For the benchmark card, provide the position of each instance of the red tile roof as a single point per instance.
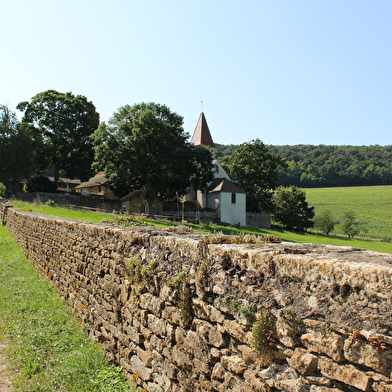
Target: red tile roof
(202, 135)
(131, 195)
(224, 185)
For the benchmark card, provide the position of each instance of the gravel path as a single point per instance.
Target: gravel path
(5, 383)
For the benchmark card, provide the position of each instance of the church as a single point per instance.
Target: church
(221, 195)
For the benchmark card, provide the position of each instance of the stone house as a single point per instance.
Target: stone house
(97, 185)
(136, 202)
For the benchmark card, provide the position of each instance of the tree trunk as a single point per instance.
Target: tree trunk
(150, 203)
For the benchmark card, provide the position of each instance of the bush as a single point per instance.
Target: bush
(2, 189)
(40, 184)
(350, 225)
(325, 222)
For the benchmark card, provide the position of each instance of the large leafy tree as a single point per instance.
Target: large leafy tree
(60, 126)
(291, 208)
(255, 170)
(15, 149)
(145, 147)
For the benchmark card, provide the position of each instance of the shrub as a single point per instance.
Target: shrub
(50, 203)
(350, 224)
(2, 189)
(325, 222)
(40, 184)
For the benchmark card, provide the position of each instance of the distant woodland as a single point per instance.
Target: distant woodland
(322, 165)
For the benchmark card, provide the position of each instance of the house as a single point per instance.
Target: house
(136, 202)
(221, 195)
(97, 185)
(64, 184)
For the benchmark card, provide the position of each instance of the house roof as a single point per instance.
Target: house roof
(97, 180)
(202, 135)
(131, 195)
(223, 185)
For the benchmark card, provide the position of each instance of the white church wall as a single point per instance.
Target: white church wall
(233, 213)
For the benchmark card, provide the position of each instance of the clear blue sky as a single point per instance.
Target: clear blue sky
(283, 71)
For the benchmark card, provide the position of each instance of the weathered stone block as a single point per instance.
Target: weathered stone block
(233, 364)
(151, 303)
(218, 372)
(238, 331)
(329, 343)
(208, 312)
(303, 361)
(172, 314)
(194, 345)
(209, 333)
(360, 351)
(157, 325)
(316, 388)
(382, 386)
(347, 374)
(181, 357)
(139, 369)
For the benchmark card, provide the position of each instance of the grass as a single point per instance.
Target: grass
(284, 235)
(371, 204)
(48, 350)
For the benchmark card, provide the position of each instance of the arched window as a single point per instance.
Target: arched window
(233, 198)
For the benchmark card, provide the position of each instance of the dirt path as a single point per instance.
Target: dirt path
(5, 383)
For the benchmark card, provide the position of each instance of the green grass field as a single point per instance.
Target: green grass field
(372, 204)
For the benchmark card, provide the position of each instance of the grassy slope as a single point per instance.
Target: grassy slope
(91, 216)
(49, 350)
(372, 204)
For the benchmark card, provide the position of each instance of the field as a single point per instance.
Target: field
(372, 205)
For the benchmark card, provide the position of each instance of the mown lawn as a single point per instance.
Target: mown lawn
(91, 216)
(48, 350)
(372, 205)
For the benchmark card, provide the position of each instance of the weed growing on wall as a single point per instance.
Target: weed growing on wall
(181, 229)
(220, 238)
(202, 276)
(178, 279)
(263, 336)
(238, 307)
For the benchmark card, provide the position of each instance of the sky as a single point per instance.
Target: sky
(282, 71)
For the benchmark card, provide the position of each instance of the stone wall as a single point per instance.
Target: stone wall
(180, 313)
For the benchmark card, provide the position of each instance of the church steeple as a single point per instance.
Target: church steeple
(202, 134)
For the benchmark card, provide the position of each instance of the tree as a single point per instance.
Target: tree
(350, 224)
(291, 208)
(253, 168)
(60, 126)
(15, 149)
(144, 147)
(325, 222)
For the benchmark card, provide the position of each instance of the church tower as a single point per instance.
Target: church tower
(202, 135)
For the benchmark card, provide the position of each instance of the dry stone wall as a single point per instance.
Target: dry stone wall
(180, 314)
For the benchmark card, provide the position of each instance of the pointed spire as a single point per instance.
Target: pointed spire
(202, 134)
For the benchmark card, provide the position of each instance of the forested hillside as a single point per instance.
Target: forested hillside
(315, 166)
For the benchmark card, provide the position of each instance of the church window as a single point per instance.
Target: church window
(233, 198)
